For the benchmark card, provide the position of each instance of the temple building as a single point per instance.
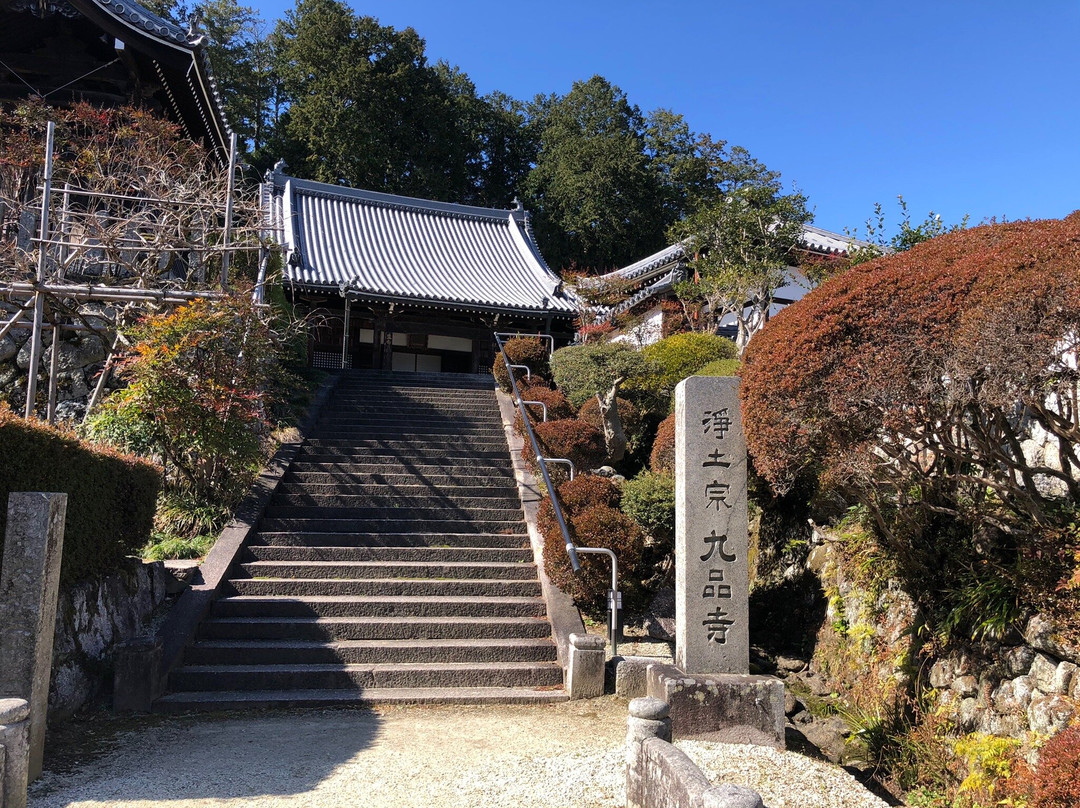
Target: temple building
(397, 283)
(110, 53)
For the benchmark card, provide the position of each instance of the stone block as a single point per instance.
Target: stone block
(1044, 635)
(729, 708)
(1063, 677)
(29, 585)
(1018, 659)
(1050, 714)
(137, 674)
(731, 796)
(585, 679)
(631, 679)
(15, 745)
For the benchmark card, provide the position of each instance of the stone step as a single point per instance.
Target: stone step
(422, 455)
(422, 443)
(379, 417)
(296, 586)
(367, 652)
(401, 524)
(340, 629)
(520, 556)
(428, 472)
(393, 569)
(340, 676)
(369, 697)
(404, 490)
(381, 499)
(389, 606)
(401, 510)
(443, 540)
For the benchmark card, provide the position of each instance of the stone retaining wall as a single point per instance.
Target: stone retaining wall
(82, 358)
(91, 619)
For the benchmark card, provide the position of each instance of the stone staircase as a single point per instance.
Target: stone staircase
(392, 565)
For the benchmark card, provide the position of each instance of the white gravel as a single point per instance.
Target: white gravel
(567, 755)
(783, 779)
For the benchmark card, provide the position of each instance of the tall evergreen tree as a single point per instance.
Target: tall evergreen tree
(596, 197)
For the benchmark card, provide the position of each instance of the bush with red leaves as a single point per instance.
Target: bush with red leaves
(1055, 781)
(558, 407)
(568, 438)
(909, 383)
(529, 351)
(663, 452)
(591, 524)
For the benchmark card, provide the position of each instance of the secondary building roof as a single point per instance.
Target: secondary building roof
(111, 52)
(382, 247)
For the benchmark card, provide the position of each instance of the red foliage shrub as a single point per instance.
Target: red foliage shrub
(530, 351)
(1055, 780)
(568, 438)
(586, 491)
(558, 407)
(663, 451)
(596, 526)
(900, 385)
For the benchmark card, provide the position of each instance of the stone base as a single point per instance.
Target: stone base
(730, 708)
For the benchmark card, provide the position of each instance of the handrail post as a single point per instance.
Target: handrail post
(614, 595)
(542, 405)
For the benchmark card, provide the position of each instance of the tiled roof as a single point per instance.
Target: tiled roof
(179, 58)
(396, 248)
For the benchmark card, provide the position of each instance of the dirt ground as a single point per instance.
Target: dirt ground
(566, 755)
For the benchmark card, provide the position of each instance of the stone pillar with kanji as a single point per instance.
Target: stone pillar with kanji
(711, 571)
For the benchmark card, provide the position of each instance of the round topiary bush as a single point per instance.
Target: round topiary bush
(662, 458)
(586, 491)
(681, 355)
(569, 438)
(720, 367)
(529, 351)
(558, 408)
(649, 499)
(596, 526)
(582, 371)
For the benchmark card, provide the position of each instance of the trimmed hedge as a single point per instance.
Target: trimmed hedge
(530, 351)
(649, 499)
(676, 357)
(571, 439)
(111, 496)
(558, 407)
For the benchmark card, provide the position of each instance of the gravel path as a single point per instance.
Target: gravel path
(567, 755)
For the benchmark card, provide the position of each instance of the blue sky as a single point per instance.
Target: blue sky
(962, 107)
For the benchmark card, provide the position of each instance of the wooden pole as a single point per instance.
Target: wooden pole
(345, 337)
(54, 365)
(10, 324)
(225, 256)
(39, 300)
(102, 379)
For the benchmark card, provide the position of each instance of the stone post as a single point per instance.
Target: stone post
(711, 572)
(586, 677)
(14, 752)
(28, 589)
(648, 719)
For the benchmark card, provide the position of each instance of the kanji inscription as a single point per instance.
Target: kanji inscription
(711, 576)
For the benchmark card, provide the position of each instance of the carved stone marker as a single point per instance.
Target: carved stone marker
(28, 589)
(711, 572)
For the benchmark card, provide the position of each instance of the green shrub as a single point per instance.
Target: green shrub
(111, 496)
(662, 457)
(681, 355)
(720, 367)
(582, 371)
(529, 351)
(570, 439)
(649, 499)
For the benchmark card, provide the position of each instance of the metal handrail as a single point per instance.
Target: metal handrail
(614, 595)
(528, 373)
(542, 405)
(570, 463)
